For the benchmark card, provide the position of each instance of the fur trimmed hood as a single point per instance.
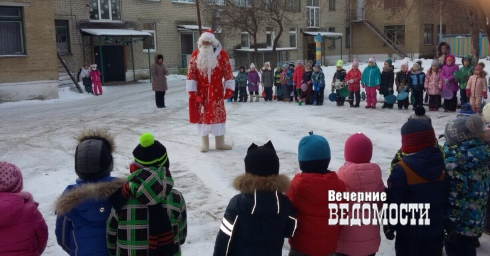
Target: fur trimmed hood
(99, 134)
(248, 183)
(89, 191)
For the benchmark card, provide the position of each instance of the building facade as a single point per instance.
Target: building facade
(27, 51)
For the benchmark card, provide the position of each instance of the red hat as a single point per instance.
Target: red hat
(417, 134)
(358, 149)
(208, 36)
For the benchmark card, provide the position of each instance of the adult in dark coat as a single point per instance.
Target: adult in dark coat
(258, 219)
(159, 82)
(419, 178)
(387, 81)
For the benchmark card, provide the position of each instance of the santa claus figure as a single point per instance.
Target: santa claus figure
(209, 81)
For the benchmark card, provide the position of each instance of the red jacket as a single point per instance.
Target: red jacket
(309, 194)
(356, 76)
(298, 75)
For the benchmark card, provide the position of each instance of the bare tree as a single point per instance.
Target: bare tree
(274, 11)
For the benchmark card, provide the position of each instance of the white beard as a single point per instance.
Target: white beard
(206, 59)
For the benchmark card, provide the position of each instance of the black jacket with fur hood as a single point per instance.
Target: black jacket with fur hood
(258, 219)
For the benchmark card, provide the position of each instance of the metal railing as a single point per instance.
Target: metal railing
(69, 65)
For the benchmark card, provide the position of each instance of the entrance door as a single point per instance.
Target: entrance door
(360, 10)
(311, 51)
(113, 60)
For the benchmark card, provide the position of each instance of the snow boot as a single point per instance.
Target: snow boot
(251, 98)
(220, 143)
(256, 98)
(205, 143)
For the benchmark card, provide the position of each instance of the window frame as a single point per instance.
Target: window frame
(295, 33)
(395, 29)
(248, 39)
(20, 20)
(331, 5)
(67, 30)
(347, 37)
(332, 40)
(270, 32)
(293, 5)
(427, 40)
(154, 33)
(313, 7)
(110, 13)
(184, 1)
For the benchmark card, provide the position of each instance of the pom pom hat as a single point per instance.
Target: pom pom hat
(340, 63)
(150, 152)
(417, 135)
(10, 178)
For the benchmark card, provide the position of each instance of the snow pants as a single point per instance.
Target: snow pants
(97, 88)
(371, 96)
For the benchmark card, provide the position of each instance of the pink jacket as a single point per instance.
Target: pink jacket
(95, 75)
(365, 239)
(433, 83)
(477, 85)
(22, 227)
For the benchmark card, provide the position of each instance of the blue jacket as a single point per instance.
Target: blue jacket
(467, 167)
(371, 76)
(258, 219)
(289, 75)
(81, 221)
(424, 181)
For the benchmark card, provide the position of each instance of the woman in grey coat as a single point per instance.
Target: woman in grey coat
(159, 82)
(267, 79)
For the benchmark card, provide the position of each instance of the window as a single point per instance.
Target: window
(150, 43)
(293, 5)
(312, 13)
(292, 37)
(393, 3)
(439, 29)
(270, 36)
(347, 37)
(12, 31)
(243, 3)
(216, 2)
(62, 36)
(396, 34)
(428, 34)
(183, 1)
(105, 10)
(332, 40)
(331, 5)
(245, 40)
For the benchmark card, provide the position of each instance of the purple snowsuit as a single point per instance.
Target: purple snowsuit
(447, 72)
(253, 79)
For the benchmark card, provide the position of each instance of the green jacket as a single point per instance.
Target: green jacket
(241, 79)
(468, 71)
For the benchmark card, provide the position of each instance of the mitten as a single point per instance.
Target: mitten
(468, 93)
(228, 93)
(377, 87)
(485, 95)
(389, 233)
(446, 81)
(350, 81)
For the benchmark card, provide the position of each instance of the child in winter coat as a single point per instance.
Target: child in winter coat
(416, 80)
(83, 208)
(370, 80)
(84, 77)
(353, 79)
(477, 87)
(338, 82)
(258, 219)
(467, 69)
(241, 81)
(289, 89)
(267, 79)
(309, 195)
(306, 95)
(22, 227)
(447, 76)
(467, 158)
(387, 81)
(418, 178)
(253, 81)
(433, 86)
(299, 70)
(401, 81)
(360, 175)
(95, 76)
(148, 217)
(318, 79)
(277, 81)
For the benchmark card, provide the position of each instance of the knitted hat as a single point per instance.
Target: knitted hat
(262, 161)
(291, 64)
(480, 67)
(299, 62)
(252, 65)
(267, 63)
(450, 56)
(389, 61)
(486, 113)
(308, 65)
(404, 63)
(355, 63)
(358, 149)
(420, 114)
(340, 63)
(418, 64)
(318, 66)
(285, 66)
(10, 178)
(416, 135)
(372, 59)
(279, 64)
(150, 152)
(93, 155)
(463, 128)
(434, 63)
(313, 153)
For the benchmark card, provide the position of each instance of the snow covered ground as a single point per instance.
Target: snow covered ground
(38, 136)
